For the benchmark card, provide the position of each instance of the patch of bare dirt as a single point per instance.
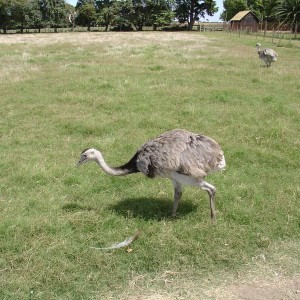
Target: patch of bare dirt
(259, 289)
(278, 288)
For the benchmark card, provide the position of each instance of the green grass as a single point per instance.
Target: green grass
(114, 91)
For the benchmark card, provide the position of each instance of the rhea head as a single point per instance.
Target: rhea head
(88, 154)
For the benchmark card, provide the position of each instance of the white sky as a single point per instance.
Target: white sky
(215, 18)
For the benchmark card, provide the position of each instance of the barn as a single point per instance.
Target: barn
(245, 20)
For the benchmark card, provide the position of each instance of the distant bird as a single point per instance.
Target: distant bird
(267, 55)
(184, 157)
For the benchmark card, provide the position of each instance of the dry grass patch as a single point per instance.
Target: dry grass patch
(16, 67)
(110, 38)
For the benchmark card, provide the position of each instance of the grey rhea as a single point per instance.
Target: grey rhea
(183, 156)
(267, 55)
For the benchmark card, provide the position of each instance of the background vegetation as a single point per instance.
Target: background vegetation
(286, 12)
(65, 92)
(136, 14)
(124, 14)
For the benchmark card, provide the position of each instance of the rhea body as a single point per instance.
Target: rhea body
(183, 156)
(267, 55)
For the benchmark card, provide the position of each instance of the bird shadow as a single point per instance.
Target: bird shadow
(151, 208)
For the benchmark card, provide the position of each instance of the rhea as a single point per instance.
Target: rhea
(183, 156)
(267, 55)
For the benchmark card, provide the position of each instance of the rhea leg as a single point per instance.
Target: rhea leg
(177, 196)
(180, 179)
(211, 190)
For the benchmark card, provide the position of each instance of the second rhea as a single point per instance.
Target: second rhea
(267, 55)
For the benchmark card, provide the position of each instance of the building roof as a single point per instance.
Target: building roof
(240, 15)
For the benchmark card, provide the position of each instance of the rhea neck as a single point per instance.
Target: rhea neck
(258, 48)
(115, 171)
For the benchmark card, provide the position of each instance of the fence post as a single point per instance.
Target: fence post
(265, 31)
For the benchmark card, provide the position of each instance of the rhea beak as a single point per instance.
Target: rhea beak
(81, 161)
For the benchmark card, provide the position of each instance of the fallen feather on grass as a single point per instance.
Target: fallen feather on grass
(125, 243)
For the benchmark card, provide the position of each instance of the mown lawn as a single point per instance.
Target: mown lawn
(62, 93)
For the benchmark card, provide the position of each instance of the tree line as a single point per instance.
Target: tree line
(21, 14)
(121, 14)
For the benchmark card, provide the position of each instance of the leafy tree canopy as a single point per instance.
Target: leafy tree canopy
(191, 11)
(288, 12)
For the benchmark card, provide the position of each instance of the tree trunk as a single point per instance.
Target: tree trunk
(191, 20)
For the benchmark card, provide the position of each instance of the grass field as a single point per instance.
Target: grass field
(62, 93)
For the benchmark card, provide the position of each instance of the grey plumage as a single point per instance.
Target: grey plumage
(184, 157)
(267, 55)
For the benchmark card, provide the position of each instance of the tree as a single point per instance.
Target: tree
(5, 14)
(190, 11)
(231, 8)
(161, 13)
(107, 11)
(139, 13)
(57, 13)
(54, 13)
(105, 17)
(123, 12)
(86, 14)
(143, 12)
(32, 14)
(262, 8)
(20, 13)
(288, 12)
(35, 16)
